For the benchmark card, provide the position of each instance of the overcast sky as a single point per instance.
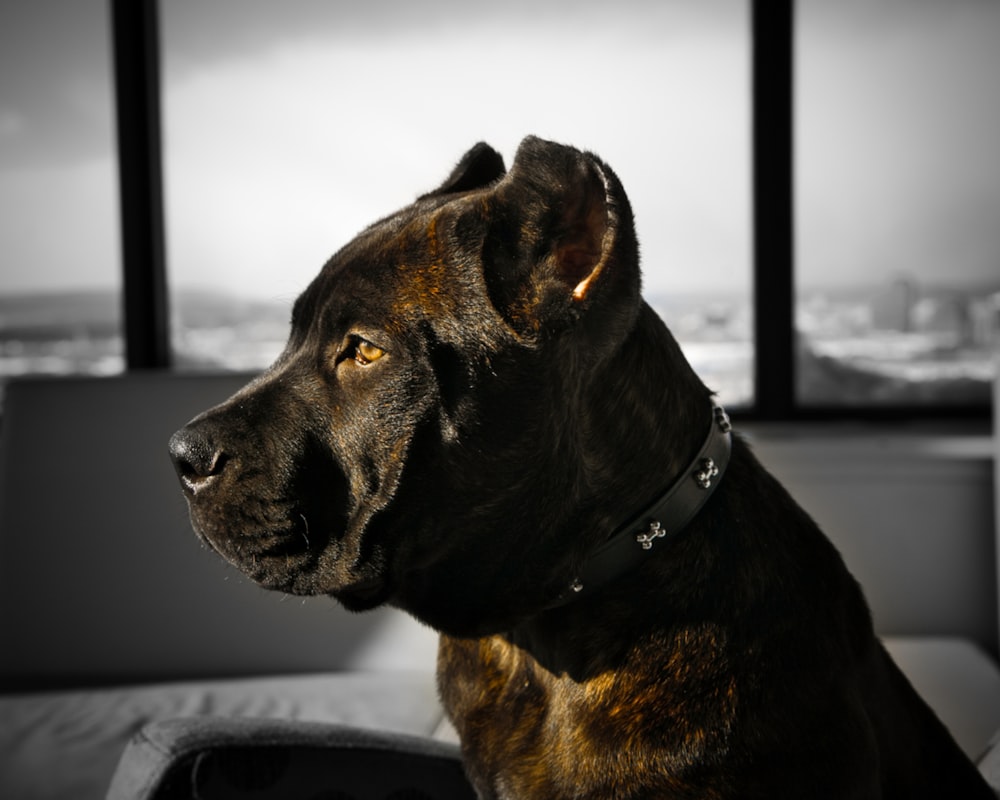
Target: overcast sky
(289, 126)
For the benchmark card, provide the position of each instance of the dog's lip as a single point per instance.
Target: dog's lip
(281, 564)
(301, 557)
(255, 552)
(362, 594)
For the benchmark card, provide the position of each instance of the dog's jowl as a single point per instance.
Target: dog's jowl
(477, 419)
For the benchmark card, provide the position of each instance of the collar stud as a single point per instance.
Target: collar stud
(706, 471)
(646, 539)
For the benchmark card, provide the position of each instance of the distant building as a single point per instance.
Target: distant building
(984, 317)
(944, 313)
(892, 305)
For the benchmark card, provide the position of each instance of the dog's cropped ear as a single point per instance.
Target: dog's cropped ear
(562, 242)
(584, 229)
(478, 168)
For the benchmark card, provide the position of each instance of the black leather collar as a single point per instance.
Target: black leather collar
(667, 516)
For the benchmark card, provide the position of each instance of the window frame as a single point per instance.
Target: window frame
(772, 32)
(136, 63)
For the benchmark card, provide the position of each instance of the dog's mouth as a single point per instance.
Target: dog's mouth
(277, 556)
(363, 595)
(307, 554)
(300, 560)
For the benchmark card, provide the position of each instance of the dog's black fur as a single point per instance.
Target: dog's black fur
(472, 397)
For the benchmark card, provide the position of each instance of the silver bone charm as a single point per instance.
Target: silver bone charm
(647, 538)
(705, 473)
(722, 420)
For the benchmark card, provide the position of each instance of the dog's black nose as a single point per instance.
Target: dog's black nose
(197, 456)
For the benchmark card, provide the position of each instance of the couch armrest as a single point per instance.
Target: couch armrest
(215, 758)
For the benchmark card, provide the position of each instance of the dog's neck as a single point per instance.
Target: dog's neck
(640, 422)
(649, 418)
(665, 517)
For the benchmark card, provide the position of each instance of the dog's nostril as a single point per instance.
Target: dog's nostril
(203, 468)
(196, 457)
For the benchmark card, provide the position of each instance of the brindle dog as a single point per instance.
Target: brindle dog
(473, 400)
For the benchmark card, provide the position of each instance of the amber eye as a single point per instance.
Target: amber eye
(365, 352)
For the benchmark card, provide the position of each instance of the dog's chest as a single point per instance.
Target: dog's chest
(527, 733)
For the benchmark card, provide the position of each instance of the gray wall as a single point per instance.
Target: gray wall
(911, 513)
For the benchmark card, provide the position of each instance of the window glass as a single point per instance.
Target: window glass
(60, 277)
(898, 194)
(290, 126)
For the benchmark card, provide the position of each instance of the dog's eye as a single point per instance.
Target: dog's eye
(356, 350)
(365, 352)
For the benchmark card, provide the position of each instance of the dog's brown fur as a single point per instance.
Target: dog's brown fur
(472, 398)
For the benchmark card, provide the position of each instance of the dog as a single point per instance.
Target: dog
(478, 420)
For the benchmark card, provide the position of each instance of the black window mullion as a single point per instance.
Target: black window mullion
(772, 76)
(137, 99)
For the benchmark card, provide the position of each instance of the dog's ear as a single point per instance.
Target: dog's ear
(561, 241)
(478, 168)
(580, 231)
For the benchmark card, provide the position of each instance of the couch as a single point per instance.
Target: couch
(118, 626)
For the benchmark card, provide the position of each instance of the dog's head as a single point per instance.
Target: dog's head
(418, 440)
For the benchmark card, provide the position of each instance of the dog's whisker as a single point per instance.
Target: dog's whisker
(305, 531)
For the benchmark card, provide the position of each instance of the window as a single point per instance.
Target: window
(304, 106)
(288, 127)
(898, 263)
(60, 275)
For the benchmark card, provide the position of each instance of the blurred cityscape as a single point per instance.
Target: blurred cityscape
(896, 344)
